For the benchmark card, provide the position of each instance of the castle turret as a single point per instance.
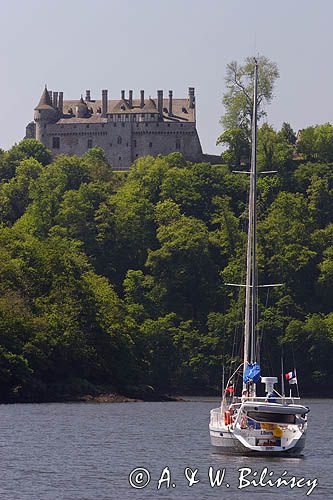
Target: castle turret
(81, 109)
(44, 114)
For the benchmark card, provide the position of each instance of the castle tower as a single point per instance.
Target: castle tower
(81, 109)
(44, 114)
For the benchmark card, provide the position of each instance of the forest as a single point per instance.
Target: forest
(119, 280)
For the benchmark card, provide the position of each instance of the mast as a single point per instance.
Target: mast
(248, 287)
(251, 269)
(254, 216)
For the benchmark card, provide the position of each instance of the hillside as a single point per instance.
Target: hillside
(119, 280)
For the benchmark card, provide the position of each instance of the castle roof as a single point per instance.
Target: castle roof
(45, 100)
(150, 106)
(122, 106)
(180, 109)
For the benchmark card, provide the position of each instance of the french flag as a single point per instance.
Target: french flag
(291, 377)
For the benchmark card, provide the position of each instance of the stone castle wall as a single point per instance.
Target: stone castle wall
(124, 142)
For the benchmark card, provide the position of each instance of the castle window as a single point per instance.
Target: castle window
(134, 143)
(168, 124)
(110, 144)
(119, 140)
(136, 155)
(165, 110)
(150, 144)
(152, 115)
(143, 116)
(123, 124)
(119, 157)
(87, 126)
(114, 124)
(56, 142)
(89, 143)
(177, 143)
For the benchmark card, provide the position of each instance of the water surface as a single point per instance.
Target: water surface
(86, 452)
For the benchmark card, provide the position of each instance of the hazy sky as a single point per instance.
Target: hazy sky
(74, 45)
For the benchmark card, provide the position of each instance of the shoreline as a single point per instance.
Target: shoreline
(111, 396)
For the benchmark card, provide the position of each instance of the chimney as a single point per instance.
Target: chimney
(191, 97)
(142, 98)
(104, 102)
(50, 94)
(170, 102)
(55, 100)
(130, 98)
(160, 101)
(61, 102)
(88, 98)
(123, 95)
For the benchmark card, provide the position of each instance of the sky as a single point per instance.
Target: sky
(74, 45)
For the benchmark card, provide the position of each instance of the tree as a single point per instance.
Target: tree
(238, 142)
(238, 100)
(324, 142)
(274, 152)
(28, 148)
(306, 144)
(316, 142)
(287, 134)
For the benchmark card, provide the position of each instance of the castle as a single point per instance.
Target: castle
(126, 128)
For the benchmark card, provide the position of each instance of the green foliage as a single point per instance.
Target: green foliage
(316, 143)
(238, 100)
(110, 280)
(274, 152)
(238, 142)
(28, 148)
(287, 134)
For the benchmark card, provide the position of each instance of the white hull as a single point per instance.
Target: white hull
(245, 434)
(227, 443)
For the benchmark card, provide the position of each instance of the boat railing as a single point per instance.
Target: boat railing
(260, 399)
(216, 417)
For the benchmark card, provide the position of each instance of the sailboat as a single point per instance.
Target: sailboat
(247, 424)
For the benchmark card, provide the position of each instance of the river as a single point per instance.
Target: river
(86, 451)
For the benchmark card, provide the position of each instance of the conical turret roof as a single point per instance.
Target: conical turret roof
(81, 103)
(45, 100)
(81, 109)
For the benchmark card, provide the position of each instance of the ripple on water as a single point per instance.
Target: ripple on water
(86, 452)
